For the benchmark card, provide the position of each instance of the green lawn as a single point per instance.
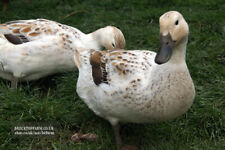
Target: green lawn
(53, 100)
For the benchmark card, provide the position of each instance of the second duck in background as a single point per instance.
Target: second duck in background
(31, 49)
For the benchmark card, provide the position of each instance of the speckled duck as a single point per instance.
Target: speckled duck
(31, 49)
(139, 86)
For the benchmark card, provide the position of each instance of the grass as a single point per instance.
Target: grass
(53, 100)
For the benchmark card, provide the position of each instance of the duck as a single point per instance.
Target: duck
(35, 48)
(139, 86)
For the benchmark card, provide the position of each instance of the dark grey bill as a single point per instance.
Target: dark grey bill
(165, 50)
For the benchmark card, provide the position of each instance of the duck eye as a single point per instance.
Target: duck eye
(113, 44)
(177, 22)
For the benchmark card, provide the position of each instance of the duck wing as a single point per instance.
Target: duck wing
(128, 66)
(22, 31)
(117, 67)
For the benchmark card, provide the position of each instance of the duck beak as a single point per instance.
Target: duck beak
(165, 50)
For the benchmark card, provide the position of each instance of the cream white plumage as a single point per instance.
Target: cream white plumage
(31, 49)
(139, 86)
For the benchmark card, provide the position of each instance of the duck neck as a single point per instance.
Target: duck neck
(179, 53)
(96, 39)
(91, 42)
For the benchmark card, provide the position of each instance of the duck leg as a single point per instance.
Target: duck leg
(14, 82)
(119, 143)
(116, 129)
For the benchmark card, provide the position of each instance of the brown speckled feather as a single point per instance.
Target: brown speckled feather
(16, 39)
(123, 64)
(22, 31)
(99, 73)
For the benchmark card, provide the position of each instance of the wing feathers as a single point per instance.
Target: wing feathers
(99, 73)
(16, 39)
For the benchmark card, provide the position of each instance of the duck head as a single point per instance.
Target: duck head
(110, 38)
(173, 35)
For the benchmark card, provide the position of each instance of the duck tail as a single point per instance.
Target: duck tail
(3, 39)
(3, 31)
(78, 56)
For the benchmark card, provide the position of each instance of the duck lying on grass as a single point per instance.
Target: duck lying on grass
(139, 86)
(31, 49)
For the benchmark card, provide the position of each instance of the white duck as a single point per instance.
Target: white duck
(31, 49)
(139, 86)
